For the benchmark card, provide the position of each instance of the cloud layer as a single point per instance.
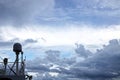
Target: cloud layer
(67, 35)
(104, 64)
(23, 11)
(54, 12)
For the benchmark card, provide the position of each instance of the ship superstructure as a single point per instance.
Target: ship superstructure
(14, 70)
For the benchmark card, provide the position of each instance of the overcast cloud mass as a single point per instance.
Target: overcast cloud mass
(22, 12)
(102, 65)
(67, 39)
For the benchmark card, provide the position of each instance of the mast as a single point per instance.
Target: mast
(17, 48)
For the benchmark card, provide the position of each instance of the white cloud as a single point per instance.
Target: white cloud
(67, 35)
(53, 74)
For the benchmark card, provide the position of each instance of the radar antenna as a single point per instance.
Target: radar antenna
(17, 48)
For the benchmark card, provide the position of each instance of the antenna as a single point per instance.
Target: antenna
(17, 48)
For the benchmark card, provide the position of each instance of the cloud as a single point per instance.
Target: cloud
(113, 4)
(99, 12)
(80, 50)
(23, 11)
(67, 35)
(30, 41)
(6, 44)
(52, 55)
(54, 12)
(104, 64)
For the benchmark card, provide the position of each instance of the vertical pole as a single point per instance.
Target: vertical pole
(17, 63)
(5, 69)
(22, 64)
(5, 64)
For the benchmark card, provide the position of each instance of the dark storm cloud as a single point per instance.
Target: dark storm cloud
(103, 65)
(19, 12)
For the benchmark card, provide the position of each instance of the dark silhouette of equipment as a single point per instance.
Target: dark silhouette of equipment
(5, 63)
(17, 48)
(17, 70)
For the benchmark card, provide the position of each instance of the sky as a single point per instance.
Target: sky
(68, 39)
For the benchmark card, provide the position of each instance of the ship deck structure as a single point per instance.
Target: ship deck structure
(14, 70)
